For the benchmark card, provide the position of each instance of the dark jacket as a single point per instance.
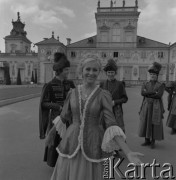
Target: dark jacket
(52, 99)
(51, 102)
(119, 96)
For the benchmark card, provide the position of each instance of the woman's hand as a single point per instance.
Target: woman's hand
(133, 157)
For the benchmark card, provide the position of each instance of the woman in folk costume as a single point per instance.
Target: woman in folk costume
(171, 120)
(52, 99)
(117, 90)
(152, 109)
(86, 142)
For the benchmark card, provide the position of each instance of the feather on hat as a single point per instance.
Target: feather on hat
(155, 68)
(111, 65)
(60, 61)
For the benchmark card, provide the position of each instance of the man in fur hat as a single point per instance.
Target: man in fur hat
(117, 90)
(52, 99)
(171, 119)
(152, 109)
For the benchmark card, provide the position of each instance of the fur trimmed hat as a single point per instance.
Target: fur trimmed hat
(110, 66)
(155, 68)
(60, 61)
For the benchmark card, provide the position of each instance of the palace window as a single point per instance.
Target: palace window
(116, 33)
(48, 52)
(116, 54)
(90, 40)
(141, 40)
(26, 49)
(73, 54)
(103, 55)
(160, 54)
(42, 51)
(13, 48)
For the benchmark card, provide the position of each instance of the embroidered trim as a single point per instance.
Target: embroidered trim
(77, 148)
(80, 137)
(82, 117)
(76, 151)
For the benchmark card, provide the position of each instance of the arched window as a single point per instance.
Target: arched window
(116, 33)
(13, 48)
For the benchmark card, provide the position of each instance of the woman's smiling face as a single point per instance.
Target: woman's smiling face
(90, 72)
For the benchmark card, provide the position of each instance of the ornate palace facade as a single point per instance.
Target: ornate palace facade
(116, 38)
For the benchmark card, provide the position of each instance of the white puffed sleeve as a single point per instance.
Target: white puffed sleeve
(65, 116)
(60, 126)
(109, 144)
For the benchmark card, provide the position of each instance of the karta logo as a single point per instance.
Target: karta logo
(132, 171)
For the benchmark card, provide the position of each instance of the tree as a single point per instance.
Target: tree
(19, 77)
(35, 76)
(32, 77)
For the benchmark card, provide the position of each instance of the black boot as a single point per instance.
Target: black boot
(147, 142)
(152, 144)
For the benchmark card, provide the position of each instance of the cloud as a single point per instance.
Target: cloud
(157, 19)
(42, 17)
(64, 10)
(46, 18)
(172, 11)
(150, 13)
(91, 17)
(89, 35)
(9, 2)
(24, 9)
(4, 1)
(157, 11)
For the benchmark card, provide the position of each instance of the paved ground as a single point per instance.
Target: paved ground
(17, 91)
(21, 150)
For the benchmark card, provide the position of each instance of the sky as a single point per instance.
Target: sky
(75, 19)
